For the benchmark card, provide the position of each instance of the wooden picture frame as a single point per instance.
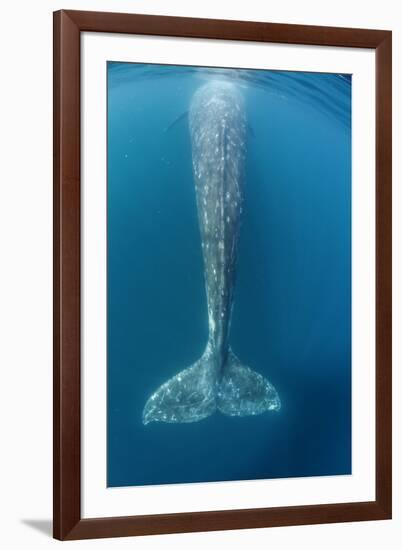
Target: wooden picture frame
(68, 523)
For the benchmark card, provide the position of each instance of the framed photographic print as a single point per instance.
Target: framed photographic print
(222, 271)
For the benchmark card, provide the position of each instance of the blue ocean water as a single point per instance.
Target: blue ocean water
(292, 308)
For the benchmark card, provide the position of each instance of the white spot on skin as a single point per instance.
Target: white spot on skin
(211, 321)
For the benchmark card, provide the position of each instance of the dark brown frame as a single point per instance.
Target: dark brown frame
(68, 26)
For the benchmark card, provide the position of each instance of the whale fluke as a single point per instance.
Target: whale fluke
(187, 397)
(244, 392)
(195, 393)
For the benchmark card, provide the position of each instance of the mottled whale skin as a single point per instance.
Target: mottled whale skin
(218, 380)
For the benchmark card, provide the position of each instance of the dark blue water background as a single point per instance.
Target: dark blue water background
(292, 310)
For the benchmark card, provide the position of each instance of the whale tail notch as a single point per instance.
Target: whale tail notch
(195, 393)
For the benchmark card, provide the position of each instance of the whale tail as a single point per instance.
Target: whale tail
(196, 393)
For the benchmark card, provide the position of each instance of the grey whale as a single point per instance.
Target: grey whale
(218, 380)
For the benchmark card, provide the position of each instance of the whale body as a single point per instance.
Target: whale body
(218, 380)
